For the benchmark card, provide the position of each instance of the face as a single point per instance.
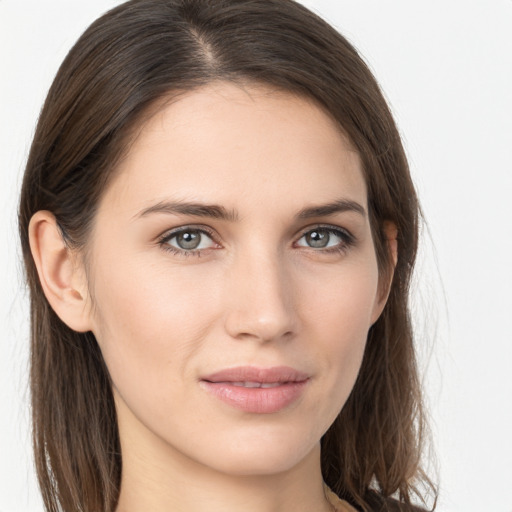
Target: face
(234, 279)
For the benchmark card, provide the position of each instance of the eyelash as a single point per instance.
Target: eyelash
(347, 240)
(163, 241)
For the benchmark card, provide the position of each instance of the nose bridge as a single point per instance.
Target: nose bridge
(260, 296)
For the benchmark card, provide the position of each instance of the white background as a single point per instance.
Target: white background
(446, 68)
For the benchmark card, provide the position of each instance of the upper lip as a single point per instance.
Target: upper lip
(255, 374)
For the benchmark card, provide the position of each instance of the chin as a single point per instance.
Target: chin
(266, 453)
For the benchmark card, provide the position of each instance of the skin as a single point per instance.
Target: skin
(255, 293)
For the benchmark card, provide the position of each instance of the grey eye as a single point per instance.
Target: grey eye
(190, 240)
(324, 238)
(318, 238)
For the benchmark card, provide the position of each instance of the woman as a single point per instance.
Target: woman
(219, 228)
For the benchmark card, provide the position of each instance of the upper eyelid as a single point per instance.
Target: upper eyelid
(329, 227)
(169, 233)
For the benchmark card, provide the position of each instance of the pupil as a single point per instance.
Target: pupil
(318, 239)
(189, 240)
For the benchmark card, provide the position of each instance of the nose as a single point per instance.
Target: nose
(260, 298)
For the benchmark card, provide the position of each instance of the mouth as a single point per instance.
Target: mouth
(257, 390)
(253, 375)
(265, 385)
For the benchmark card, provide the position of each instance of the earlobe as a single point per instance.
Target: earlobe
(62, 278)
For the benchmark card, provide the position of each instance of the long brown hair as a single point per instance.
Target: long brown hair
(122, 66)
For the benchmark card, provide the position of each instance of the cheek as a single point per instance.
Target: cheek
(341, 300)
(337, 316)
(148, 325)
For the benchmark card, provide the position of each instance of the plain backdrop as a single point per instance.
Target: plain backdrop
(446, 68)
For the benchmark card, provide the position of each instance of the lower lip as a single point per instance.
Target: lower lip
(257, 400)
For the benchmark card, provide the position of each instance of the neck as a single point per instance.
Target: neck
(159, 479)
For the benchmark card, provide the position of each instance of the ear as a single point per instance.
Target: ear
(60, 272)
(391, 234)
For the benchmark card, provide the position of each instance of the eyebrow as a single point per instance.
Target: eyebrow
(219, 212)
(193, 209)
(339, 206)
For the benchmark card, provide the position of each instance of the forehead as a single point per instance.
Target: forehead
(238, 146)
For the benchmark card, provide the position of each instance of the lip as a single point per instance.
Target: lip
(287, 386)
